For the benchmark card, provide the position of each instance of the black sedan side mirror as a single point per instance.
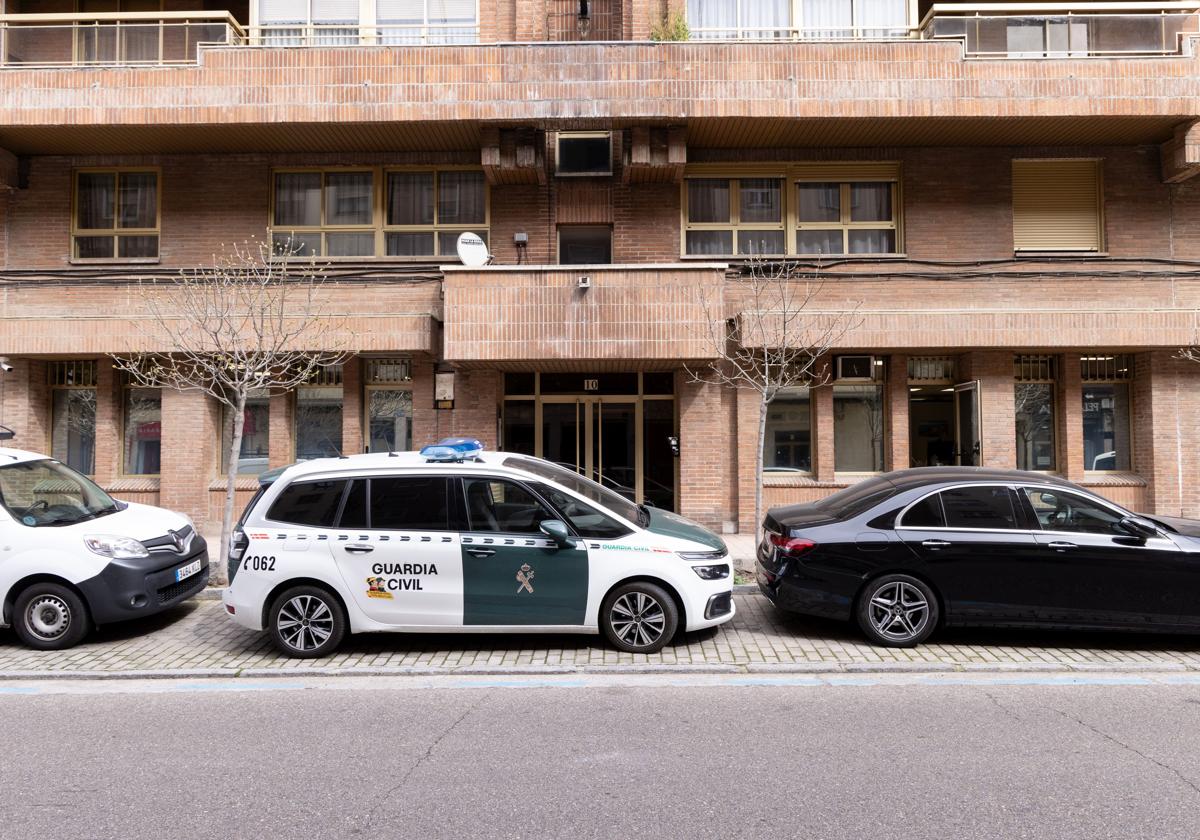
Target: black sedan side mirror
(1138, 527)
(557, 531)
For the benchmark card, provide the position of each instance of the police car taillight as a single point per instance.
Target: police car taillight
(792, 546)
(237, 547)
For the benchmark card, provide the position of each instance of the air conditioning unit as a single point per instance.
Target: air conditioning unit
(856, 369)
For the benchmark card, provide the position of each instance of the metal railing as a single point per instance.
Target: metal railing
(1039, 30)
(849, 32)
(352, 34)
(107, 38)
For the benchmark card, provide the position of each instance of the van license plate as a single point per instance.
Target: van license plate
(187, 571)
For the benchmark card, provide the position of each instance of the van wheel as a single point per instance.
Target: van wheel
(307, 622)
(639, 617)
(50, 616)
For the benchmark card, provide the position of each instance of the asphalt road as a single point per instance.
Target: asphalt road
(648, 757)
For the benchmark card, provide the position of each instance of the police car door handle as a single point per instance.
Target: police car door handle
(480, 552)
(358, 548)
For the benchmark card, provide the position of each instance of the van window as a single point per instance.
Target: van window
(410, 503)
(312, 503)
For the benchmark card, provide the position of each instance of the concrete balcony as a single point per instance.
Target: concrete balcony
(533, 314)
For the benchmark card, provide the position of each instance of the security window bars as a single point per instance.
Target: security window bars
(115, 215)
(1106, 367)
(364, 213)
(388, 371)
(935, 369)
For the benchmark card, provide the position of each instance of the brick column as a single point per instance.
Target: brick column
(476, 406)
(1167, 391)
(994, 370)
(748, 404)
(190, 446)
(352, 406)
(822, 401)
(426, 419)
(896, 430)
(281, 448)
(109, 445)
(25, 404)
(1068, 433)
(708, 453)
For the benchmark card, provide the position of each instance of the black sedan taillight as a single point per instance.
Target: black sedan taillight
(791, 546)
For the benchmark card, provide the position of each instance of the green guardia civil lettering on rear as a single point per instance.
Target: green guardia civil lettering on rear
(522, 584)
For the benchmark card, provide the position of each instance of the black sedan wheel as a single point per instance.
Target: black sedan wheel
(897, 611)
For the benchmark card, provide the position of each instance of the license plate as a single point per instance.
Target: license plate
(187, 571)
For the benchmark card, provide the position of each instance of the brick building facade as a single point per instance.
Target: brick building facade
(1008, 227)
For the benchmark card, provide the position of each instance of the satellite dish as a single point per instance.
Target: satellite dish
(472, 250)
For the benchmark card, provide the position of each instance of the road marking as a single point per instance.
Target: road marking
(594, 681)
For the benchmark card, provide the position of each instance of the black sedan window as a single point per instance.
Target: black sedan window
(979, 507)
(926, 513)
(1058, 511)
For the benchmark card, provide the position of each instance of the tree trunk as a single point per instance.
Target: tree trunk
(238, 421)
(758, 465)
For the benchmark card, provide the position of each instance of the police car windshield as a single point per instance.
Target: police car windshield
(585, 487)
(46, 492)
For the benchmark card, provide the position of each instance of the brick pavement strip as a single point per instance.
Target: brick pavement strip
(196, 640)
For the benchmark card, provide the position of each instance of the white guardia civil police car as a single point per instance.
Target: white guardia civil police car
(455, 539)
(72, 556)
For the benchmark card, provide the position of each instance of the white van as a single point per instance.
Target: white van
(72, 557)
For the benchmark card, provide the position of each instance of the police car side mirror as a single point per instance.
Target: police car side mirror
(557, 531)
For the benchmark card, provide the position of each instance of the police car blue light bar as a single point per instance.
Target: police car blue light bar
(453, 449)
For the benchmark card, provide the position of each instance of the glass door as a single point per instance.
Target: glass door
(614, 447)
(970, 438)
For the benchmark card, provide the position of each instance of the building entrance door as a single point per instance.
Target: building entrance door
(970, 438)
(596, 437)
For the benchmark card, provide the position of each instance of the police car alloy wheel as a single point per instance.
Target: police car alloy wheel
(50, 617)
(307, 622)
(639, 617)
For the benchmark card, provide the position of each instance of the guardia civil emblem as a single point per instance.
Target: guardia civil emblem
(525, 578)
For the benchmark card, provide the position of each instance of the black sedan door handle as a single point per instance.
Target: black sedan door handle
(480, 552)
(1059, 545)
(359, 549)
(935, 544)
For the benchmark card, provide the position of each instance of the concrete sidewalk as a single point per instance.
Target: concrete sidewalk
(197, 639)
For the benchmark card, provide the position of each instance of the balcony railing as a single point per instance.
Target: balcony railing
(1039, 30)
(351, 34)
(107, 38)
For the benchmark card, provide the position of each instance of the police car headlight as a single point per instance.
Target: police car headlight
(712, 572)
(118, 548)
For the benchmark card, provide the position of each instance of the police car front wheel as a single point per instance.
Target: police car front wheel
(307, 622)
(50, 616)
(639, 617)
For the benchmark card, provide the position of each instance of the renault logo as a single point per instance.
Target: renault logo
(178, 540)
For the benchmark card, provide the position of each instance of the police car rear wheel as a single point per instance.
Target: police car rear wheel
(307, 622)
(639, 617)
(50, 617)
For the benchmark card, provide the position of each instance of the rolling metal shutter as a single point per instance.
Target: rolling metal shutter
(1056, 205)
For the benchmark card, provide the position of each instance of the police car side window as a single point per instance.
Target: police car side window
(354, 511)
(503, 506)
(585, 519)
(312, 503)
(410, 503)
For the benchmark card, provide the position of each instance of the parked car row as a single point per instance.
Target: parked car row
(456, 539)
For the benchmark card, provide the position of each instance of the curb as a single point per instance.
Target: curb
(756, 669)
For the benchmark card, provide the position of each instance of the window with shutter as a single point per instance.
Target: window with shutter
(1057, 205)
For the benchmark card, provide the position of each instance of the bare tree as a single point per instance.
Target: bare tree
(251, 321)
(774, 341)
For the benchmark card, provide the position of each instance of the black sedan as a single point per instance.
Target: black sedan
(909, 551)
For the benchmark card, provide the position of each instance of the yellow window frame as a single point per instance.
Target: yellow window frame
(116, 232)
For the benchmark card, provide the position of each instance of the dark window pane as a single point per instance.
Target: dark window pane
(354, 512)
(819, 242)
(503, 506)
(658, 458)
(94, 247)
(1106, 422)
(139, 200)
(584, 155)
(390, 419)
(349, 198)
(788, 441)
(760, 242)
(410, 198)
(519, 427)
(819, 202)
(708, 200)
(409, 504)
(143, 431)
(313, 503)
(760, 200)
(872, 241)
(298, 199)
(350, 244)
(1035, 425)
(979, 507)
(518, 384)
(73, 428)
(704, 242)
(870, 202)
(584, 245)
(658, 383)
(410, 244)
(94, 200)
(137, 247)
(462, 198)
(296, 244)
(926, 513)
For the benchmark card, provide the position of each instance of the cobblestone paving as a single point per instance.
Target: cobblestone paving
(197, 638)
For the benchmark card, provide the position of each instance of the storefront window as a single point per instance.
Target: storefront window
(143, 431)
(1106, 420)
(1035, 425)
(73, 428)
(519, 426)
(858, 428)
(787, 446)
(256, 427)
(318, 421)
(389, 412)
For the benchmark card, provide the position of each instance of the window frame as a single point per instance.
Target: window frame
(1056, 408)
(1019, 513)
(844, 173)
(52, 387)
(116, 232)
(881, 386)
(1131, 398)
(379, 226)
(812, 436)
(582, 135)
(126, 387)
